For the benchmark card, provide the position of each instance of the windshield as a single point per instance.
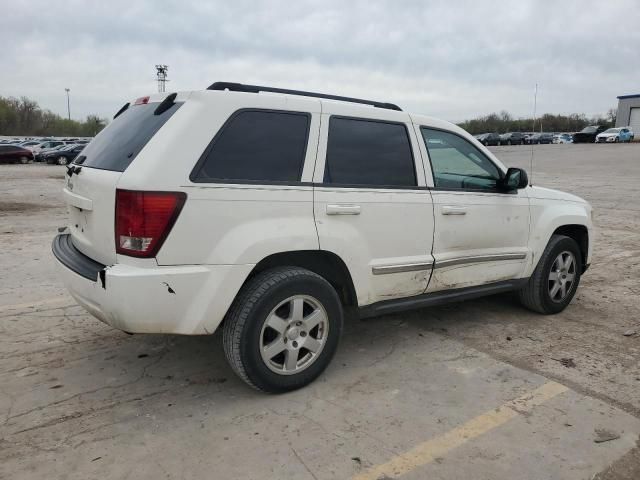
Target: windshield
(589, 129)
(612, 130)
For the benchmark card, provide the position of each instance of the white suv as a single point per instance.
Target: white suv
(271, 211)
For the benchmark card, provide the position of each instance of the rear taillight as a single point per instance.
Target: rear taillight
(144, 219)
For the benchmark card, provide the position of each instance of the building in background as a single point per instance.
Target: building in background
(629, 112)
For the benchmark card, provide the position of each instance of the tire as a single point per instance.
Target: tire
(24, 160)
(268, 299)
(62, 160)
(616, 140)
(536, 295)
(508, 142)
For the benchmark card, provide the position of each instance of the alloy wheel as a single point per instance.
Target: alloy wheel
(294, 334)
(562, 276)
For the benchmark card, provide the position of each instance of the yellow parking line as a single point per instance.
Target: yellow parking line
(38, 303)
(428, 451)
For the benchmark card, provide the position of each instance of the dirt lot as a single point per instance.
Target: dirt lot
(482, 389)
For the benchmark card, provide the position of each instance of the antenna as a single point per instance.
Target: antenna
(161, 73)
(533, 129)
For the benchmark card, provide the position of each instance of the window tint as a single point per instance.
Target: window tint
(363, 152)
(115, 147)
(456, 163)
(258, 146)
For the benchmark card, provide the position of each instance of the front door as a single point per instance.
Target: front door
(481, 232)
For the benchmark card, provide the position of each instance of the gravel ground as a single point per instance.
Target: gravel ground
(80, 400)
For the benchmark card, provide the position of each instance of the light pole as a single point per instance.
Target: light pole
(68, 104)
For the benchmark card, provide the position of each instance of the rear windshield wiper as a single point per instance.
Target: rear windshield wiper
(124, 107)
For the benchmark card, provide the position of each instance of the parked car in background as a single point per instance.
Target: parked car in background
(588, 134)
(488, 139)
(614, 135)
(537, 138)
(512, 138)
(46, 145)
(15, 154)
(39, 157)
(63, 156)
(562, 138)
(29, 144)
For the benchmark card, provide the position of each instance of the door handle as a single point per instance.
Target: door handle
(449, 210)
(343, 209)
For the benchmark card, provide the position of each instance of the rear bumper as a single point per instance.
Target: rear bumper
(188, 300)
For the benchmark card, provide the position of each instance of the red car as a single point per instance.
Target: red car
(15, 154)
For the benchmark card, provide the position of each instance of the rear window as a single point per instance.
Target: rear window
(256, 146)
(115, 147)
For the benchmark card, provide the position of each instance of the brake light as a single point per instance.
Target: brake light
(142, 101)
(144, 219)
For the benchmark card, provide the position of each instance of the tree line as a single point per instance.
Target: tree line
(24, 117)
(504, 122)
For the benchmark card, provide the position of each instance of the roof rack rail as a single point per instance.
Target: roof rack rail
(239, 87)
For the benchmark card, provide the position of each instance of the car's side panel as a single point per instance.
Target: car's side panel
(547, 215)
(240, 224)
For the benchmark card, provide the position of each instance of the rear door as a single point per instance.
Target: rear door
(371, 204)
(90, 192)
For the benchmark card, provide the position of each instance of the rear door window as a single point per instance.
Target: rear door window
(368, 153)
(256, 146)
(115, 147)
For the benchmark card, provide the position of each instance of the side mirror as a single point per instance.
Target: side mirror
(514, 179)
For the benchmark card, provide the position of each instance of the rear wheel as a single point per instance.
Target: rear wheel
(283, 329)
(555, 280)
(62, 160)
(508, 142)
(24, 160)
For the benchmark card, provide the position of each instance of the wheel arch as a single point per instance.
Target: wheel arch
(580, 234)
(322, 262)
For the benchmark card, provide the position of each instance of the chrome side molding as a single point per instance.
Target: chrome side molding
(480, 259)
(414, 267)
(407, 267)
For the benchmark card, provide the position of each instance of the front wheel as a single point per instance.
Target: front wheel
(24, 160)
(283, 329)
(555, 280)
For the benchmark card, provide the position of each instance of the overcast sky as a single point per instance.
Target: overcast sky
(450, 59)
